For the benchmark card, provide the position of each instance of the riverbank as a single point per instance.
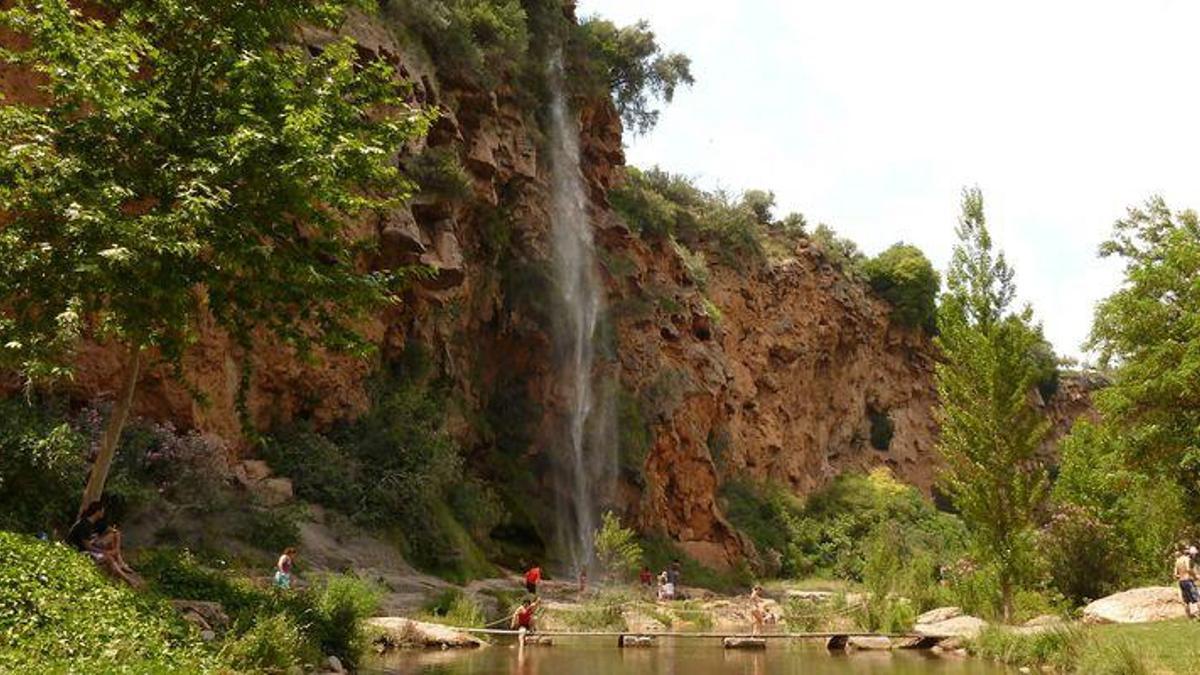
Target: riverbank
(1118, 649)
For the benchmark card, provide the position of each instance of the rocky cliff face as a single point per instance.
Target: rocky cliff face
(790, 373)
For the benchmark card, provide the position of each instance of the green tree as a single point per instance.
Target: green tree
(1150, 330)
(617, 548)
(990, 433)
(904, 277)
(630, 63)
(192, 162)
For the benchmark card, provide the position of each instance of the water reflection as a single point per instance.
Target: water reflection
(693, 657)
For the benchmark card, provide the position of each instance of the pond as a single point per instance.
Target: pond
(596, 656)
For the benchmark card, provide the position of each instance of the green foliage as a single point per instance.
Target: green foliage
(396, 468)
(603, 612)
(841, 251)
(329, 616)
(1114, 525)
(439, 172)
(1056, 649)
(342, 603)
(990, 434)
(628, 62)
(828, 536)
(190, 145)
(273, 643)
(454, 608)
(41, 468)
(271, 529)
(473, 41)
(58, 613)
(617, 548)
(903, 276)
(659, 552)
(634, 437)
(1150, 328)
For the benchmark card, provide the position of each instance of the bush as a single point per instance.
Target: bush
(617, 548)
(600, 613)
(454, 608)
(439, 172)
(469, 40)
(1082, 554)
(58, 613)
(42, 468)
(841, 251)
(343, 602)
(904, 277)
(273, 643)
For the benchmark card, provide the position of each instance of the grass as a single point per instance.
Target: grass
(1129, 649)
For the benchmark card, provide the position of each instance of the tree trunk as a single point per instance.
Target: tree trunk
(112, 430)
(1006, 599)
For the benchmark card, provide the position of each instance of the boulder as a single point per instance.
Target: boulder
(256, 469)
(202, 614)
(274, 491)
(744, 643)
(940, 614)
(398, 632)
(1140, 605)
(960, 626)
(869, 642)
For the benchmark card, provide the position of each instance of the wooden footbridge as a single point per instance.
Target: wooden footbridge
(834, 641)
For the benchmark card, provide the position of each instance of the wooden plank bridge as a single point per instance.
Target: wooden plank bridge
(834, 640)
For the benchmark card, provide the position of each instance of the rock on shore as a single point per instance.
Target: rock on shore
(1139, 605)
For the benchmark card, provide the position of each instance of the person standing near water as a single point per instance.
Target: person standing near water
(532, 578)
(1185, 574)
(757, 612)
(283, 568)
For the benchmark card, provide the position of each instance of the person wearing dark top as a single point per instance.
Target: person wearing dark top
(93, 535)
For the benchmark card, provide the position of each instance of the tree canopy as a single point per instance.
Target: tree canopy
(635, 69)
(990, 433)
(192, 160)
(903, 276)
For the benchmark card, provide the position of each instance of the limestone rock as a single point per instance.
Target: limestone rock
(939, 614)
(959, 626)
(1139, 605)
(397, 632)
(869, 642)
(274, 491)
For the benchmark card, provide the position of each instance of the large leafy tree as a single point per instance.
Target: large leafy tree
(903, 276)
(990, 431)
(1149, 332)
(192, 161)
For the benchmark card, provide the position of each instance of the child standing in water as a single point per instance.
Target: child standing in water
(283, 568)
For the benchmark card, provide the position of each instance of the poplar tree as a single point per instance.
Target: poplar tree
(188, 160)
(990, 431)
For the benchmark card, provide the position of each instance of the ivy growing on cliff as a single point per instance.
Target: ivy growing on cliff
(191, 161)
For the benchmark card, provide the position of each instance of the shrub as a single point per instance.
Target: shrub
(599, 613)
(841, 251)
(904, 277)
(342, 602)
(439, 172)
(41, 468)
(58, 613)
(455, 608)
(469, 40)
(617, 548)
(1082, 554)
(273, 643)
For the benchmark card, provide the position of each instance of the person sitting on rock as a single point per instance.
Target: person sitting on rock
(1185, 574)
(522, 619)
(91, 534)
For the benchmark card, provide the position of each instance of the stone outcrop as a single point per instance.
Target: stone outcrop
(1139, 605)
(949, 622)
(784, 384)
(391, 632)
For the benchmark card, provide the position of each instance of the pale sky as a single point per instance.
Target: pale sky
(871, 115)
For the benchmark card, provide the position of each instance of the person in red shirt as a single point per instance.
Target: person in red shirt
(646, 577)
(522, 619)
(532, 577)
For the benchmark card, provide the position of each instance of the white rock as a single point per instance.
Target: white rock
(335, 664)
(1140, 605)
(870, 642)
(940, 614)
(959, 626)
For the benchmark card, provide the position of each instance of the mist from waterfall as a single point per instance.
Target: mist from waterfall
(585, 456)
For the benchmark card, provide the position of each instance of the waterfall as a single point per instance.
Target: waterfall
(585, 456)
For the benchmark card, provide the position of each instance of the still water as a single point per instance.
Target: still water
(587, 656)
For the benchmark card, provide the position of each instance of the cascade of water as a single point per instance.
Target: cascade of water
(586, 458)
